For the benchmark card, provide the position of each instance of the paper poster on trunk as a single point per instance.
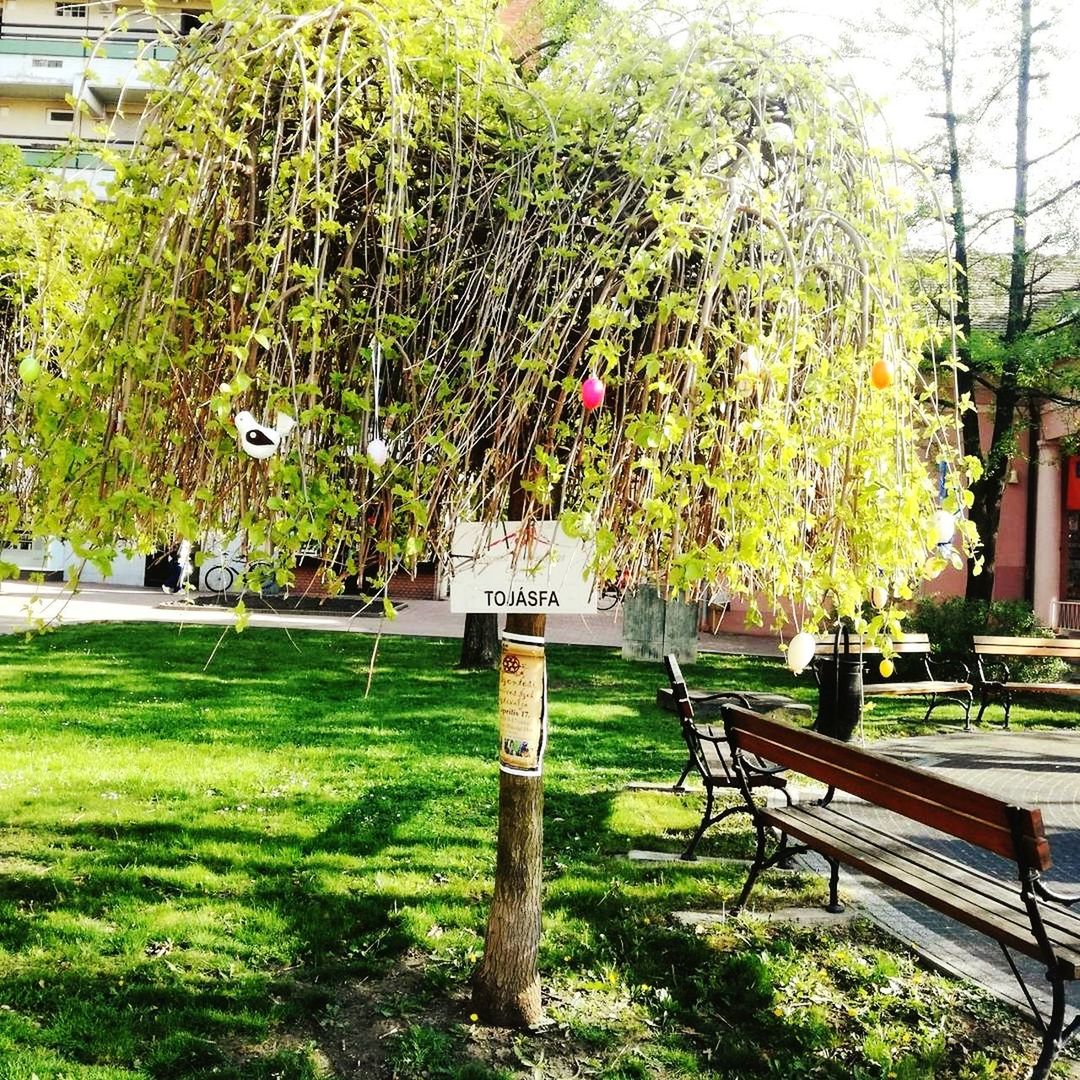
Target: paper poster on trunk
(522, 705)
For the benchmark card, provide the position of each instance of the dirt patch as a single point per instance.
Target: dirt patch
(364, 1028)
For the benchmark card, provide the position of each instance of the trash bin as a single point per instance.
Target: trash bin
(840, 690)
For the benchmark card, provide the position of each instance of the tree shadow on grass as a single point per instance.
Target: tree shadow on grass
(254, 944)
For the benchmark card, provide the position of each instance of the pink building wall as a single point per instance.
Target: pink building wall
(1010, 582)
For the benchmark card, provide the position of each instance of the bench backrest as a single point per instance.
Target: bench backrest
(1064, 648)
(1014, 832)
(683, 708)
(902, 643)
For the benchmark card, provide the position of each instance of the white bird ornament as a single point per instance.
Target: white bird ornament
(259, 441)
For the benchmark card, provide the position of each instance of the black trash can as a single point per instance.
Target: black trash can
(840, 690)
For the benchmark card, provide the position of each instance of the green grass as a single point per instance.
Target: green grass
(251, 869)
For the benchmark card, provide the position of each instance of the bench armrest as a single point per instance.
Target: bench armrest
(999, 672)
(1058, 898)
(755, 765)
(956, 669)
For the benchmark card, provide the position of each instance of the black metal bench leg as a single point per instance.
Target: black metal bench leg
(982, 707)
(835, 907)
(967, 711)
(680, 784)
(930, 707)
(1052, 1040)
(755, 866)
(1008, 706)
(706, 821)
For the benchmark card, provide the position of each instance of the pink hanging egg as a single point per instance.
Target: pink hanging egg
(592, 393)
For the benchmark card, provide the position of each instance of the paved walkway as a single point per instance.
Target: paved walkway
(1040, 769)
(22, 603)
(1033, 768)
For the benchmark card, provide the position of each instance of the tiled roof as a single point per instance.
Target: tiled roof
(1051, 277)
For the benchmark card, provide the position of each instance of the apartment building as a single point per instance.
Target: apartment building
(82, 71)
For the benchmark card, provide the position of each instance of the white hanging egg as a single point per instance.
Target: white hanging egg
(751, 362)
(378, 453)
(944, 525)
(800, 652)
(879, 596)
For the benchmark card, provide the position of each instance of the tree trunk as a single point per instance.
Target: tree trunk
(985, 513)
(506, 984)
(480, 641)
(990, 488)
(965, 376)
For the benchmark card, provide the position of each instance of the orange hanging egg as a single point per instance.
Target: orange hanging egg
(881, 374)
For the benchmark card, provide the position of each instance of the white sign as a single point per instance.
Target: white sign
(535, 569)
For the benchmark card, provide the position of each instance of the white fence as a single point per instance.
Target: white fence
(1065, 614)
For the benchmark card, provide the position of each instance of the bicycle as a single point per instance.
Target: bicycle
(221, 577)
(613, 592)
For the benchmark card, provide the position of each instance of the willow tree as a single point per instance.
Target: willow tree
(44, 241)
(361, 216)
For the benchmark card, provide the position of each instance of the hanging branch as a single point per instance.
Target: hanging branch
(372, 223)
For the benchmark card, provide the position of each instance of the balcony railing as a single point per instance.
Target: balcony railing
(50, 40)
(1065, 615)
(147, 49)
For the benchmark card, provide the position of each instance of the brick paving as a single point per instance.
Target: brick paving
(1033, 768)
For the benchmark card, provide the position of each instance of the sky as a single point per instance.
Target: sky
(892, 69)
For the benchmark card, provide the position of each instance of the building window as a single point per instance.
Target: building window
(60, 116)
(46, 62)
(71, 11)
(189, 21)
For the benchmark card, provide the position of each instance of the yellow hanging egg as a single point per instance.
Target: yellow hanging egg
(886, 668)
(882, 375)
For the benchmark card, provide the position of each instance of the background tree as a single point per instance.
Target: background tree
(1019, 367)
(45, 239)
(366, 218)
(480, 640)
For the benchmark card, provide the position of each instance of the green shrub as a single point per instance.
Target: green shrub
(952, 623)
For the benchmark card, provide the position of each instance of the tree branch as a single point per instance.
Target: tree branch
(1055, 197)
(1057, 149)
(1061, 324)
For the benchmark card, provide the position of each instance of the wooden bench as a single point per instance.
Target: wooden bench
(1003, 688)
(707, 747)
(939, 691)
(1022, 914)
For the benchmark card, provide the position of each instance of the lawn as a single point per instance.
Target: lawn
(232, 858)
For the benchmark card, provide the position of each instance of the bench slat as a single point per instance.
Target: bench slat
(904, 643)
(901, 689)
(1062, 923)
(973, 898)
(993, 907)
(907, 789)
(1065, 924)
(1066, 648)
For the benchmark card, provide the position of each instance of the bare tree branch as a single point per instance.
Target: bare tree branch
(1058, 195)
(1057, 149)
